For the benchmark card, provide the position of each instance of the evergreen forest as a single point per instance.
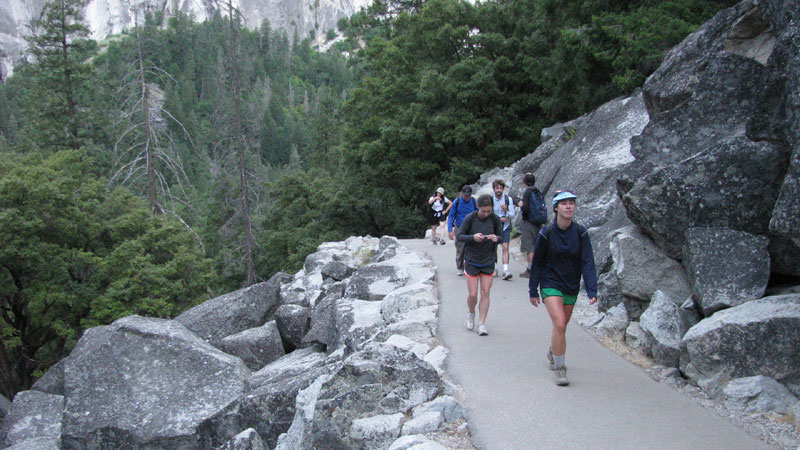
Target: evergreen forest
(178, 161)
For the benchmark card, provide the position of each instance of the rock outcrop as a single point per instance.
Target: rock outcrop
(363, 369)
(741, 342)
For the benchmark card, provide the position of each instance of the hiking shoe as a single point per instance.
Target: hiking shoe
(460, 273)
(507, 276)
(550, 359)
(435, 241)
(470, 321)
(482, 330)
(442, 241)
(561, 376)
(526, 274)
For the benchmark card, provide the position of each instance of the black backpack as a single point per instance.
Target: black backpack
(537, 214)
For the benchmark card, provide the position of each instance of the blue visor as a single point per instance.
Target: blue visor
(563, 195)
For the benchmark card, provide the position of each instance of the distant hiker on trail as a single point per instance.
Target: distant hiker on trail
(534, 215)
(480, 232)
(563, 254)
(439, 207)
(462, 205)
(504, 208)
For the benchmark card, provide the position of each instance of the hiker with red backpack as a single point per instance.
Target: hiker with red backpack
(563, 254)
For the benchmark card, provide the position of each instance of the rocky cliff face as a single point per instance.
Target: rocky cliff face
(106, 17)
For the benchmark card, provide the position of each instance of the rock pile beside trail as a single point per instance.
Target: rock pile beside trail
(363, 368)
(690, 189)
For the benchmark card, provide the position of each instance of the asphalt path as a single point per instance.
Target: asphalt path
(510, 394)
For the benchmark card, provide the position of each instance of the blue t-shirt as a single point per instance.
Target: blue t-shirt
(557, 264)
(461, 208)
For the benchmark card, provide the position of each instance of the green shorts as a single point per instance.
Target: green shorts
(568, 299)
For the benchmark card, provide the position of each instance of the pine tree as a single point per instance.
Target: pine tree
(61, 47)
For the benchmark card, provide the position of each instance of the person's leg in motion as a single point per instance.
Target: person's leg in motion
(483, 308)
(559, 316)
(472, 300)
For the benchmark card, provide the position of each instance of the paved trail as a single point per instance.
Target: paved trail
(510, 395)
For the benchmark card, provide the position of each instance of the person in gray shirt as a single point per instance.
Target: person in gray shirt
(480, 232)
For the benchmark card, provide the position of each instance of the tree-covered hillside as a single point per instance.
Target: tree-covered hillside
(178, 161)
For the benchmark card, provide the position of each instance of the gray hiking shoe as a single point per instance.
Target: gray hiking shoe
(561, 376)
(550, 359)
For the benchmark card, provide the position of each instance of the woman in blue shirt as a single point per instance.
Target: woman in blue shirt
(563, 254)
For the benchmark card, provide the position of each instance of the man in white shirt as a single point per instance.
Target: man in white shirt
(504, 208)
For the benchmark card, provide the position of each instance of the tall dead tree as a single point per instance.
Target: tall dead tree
(145, 154)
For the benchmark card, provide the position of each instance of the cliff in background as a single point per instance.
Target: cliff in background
(108, 17)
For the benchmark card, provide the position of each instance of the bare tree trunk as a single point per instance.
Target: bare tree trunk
(249, 239)
(152, 196)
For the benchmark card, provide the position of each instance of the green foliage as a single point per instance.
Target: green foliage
(74, 255)
(62, 76)
(448, 89)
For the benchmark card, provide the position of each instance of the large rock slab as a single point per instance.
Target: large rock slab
(322, 328)
(725, 267)
(246, 440)
(374, 281)
(293, 323)
(642, 268)
(268, 403)
(379, 380)
(33, 415)
(234, 312)
(257, 347)
(664, 323)
(588, 160)
(731, 343)
(356, 251)
(143, 382)
(685, 65)
(730, 184)
(758, 394)
(778, 118)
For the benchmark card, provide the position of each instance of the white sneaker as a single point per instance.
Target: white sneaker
(507, 276)
(482, 330)
(470, 321)
(460, 273)
(561, 376)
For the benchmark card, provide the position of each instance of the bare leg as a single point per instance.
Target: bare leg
(559, 317)
(486, 286)
(505, 253)
(472, 294)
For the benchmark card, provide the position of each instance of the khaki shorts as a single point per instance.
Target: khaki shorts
(528, 232)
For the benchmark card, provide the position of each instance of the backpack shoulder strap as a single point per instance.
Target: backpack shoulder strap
(496, 222)
(474, 203)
